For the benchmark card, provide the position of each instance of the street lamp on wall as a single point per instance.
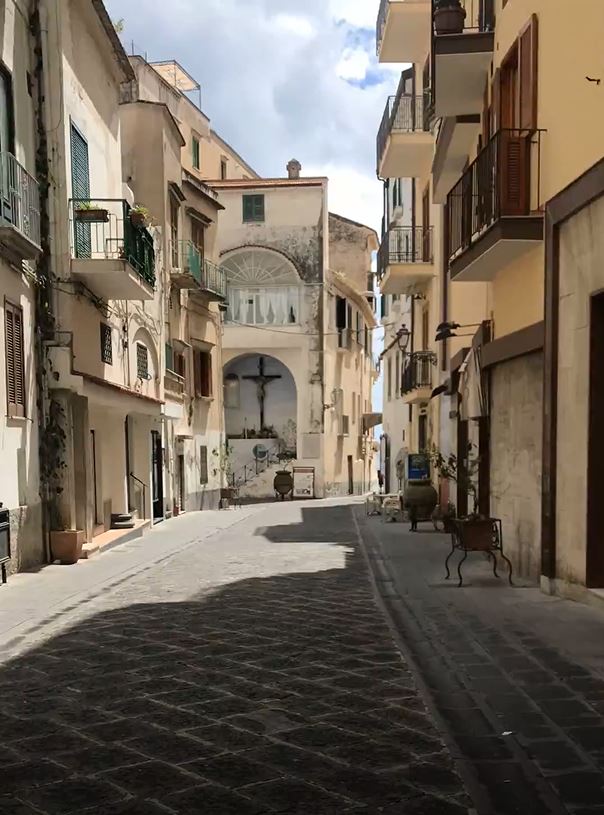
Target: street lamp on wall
(403, 336)
(444, 331)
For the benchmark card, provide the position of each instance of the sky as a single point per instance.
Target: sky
(281, 79)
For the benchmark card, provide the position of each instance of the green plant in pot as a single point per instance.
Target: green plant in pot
(448, 468)
(449, 17)
(139, 215)
(90, 212)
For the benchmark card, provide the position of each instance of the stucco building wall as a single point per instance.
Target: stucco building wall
(517, 390)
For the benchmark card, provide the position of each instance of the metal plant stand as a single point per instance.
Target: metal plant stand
(477, 535)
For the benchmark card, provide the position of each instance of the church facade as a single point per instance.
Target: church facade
(297, 337)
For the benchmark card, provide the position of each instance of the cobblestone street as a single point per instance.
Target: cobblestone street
(250, 671)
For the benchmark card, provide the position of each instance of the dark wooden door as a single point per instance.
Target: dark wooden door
(595, 516)
(157, 476)
(350, 476)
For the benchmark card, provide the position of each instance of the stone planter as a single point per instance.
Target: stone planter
(67, 546)
(449, 19)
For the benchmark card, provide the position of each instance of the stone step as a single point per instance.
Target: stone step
(114, 537)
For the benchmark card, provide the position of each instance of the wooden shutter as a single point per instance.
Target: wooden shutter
(528, 64)
(197, 372)
(514, 168)
(206, 373)
(496, 101)
(203, 465)
(15, 362)
(80, 189)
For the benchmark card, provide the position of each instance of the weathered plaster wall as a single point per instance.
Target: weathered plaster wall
(516, 418)
(581, 274)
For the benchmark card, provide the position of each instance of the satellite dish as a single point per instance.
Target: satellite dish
(260, 452)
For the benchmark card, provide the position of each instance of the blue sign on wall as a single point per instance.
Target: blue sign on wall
(418, 467)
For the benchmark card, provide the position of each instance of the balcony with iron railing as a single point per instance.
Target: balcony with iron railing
(111, 252)
(191, 271)
(495, 210)
(406, 260)
(20, 213)
(403, 30)
(417, 376)
(404, 141)
(462, 50)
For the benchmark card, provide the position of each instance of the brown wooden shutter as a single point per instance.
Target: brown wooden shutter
(197, 372)
(496, 101)
(15, 362)
(207, 373)
(528, 45)
(514, 164)
(486, 116)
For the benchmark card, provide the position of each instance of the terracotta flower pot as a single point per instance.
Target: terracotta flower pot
(67, 546)
(449, 20)
(138, 219)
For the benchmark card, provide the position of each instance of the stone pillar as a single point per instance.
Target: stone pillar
(60, 440)
(84, 487)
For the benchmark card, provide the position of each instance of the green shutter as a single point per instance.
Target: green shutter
(253, 207)
(80, 189)
(196, 153)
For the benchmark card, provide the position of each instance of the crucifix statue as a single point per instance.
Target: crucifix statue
(262, 380)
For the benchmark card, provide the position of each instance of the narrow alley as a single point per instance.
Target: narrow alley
(238, 662)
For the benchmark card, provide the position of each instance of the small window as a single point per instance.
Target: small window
(203, 465)
(224, 169)
(106, 344)
(179, 364)
(15, 360)
(203, 373)
(142, 361)
(253, 208)
(169, 357)
(195, 152)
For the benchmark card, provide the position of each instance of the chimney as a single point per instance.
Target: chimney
(293, 168)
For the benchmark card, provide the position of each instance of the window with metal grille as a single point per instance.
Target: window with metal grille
(15, 361)
(203, 465)
(195, 153)
(106, 344)
(253, 208)
(203, 373)
(142, 361)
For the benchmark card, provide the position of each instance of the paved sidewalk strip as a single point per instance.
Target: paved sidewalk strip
(252, 674)
(516, 676)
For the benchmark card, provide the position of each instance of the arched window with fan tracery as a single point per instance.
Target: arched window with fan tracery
(264, 288)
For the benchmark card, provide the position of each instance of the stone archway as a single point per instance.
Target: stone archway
(260, 399)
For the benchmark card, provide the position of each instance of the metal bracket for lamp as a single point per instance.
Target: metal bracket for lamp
(444, 331)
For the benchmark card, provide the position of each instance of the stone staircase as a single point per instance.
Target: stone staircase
(255, 480)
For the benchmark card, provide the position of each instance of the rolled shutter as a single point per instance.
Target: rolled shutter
(528, 45)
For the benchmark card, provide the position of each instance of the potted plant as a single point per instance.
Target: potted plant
(139, 215)
(449, 17)
(91, 213)
(66, 545)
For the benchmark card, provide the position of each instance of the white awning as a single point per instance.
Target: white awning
(473, 397)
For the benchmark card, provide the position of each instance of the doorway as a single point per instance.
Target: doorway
(595, 518)
(157, 476)
(350, 476)
(181, 483)
(95, 489)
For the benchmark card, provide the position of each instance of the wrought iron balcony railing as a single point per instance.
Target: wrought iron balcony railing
(102, 229)
(214, 279)
(480, 14)
(417, 371)
(20, 198)
(403, 114)
(405, 244)
(503, 181)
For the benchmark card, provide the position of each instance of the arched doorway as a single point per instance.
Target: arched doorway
(260, 400)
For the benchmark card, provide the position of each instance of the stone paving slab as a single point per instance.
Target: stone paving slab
(251, 673)
(517, 677)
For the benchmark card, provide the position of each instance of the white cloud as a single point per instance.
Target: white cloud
(281, 78)
(354, 64)
(360, 13)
